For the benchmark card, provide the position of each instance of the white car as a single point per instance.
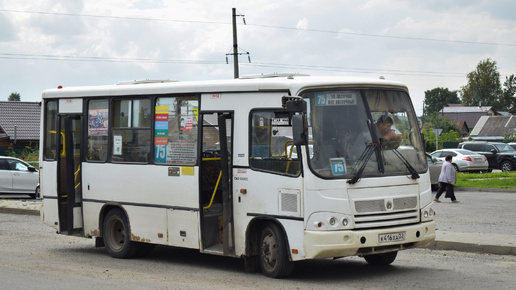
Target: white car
(463, 160)
(17, 176)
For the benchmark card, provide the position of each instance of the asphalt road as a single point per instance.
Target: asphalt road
(482, 212)
(34, 257)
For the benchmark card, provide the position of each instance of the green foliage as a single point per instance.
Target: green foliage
(508, 100)
(437, 98)
(450, 136)
(487, 180)
(14, 97)
(444, 123)
(509, 137)
(449, 133)
(28, 154)
(483, 86)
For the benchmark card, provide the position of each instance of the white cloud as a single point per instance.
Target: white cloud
(191, 38)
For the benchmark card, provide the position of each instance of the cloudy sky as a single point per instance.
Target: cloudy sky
(425, 44)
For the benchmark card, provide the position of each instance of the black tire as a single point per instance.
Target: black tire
(145, 249)
(456, 167)
(381, 259)
(35, 194)
(274, 259)
(506, 166)
(117, 236)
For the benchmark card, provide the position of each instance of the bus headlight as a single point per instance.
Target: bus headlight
(427, 213)
(329, 221)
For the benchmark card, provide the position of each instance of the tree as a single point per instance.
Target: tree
(449, 133)
(437, 98)
(508, 100)
(483, 86)
(442, 123)
(14, 97)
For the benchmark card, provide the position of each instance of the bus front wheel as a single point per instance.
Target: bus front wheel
(117, 236)
(274, 259)
(381, 259)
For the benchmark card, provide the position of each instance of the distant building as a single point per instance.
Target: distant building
(469, 114)
(493, 128)
(19, 125)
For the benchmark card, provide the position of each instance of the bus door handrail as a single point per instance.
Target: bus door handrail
(216, 185)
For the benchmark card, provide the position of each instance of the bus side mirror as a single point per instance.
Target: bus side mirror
(299, 129)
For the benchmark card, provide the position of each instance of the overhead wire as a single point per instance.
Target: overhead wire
(260, 64)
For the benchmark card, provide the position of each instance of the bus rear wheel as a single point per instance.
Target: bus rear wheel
(381, 259)
(274, 259)
(117, 236)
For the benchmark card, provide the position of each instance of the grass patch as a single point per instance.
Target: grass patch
(487, 180)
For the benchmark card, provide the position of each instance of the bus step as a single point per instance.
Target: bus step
(217, 249)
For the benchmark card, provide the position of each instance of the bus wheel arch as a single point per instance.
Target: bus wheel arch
(267, 244)
(116, 233)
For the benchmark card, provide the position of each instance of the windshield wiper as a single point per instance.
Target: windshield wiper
(364, 157)
(413, 171)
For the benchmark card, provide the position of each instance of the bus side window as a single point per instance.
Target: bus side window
(175, 130)
(271, 134)
(131, 131)
(98, 121)
(51, 134)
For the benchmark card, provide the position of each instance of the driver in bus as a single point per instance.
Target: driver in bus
(389, 138)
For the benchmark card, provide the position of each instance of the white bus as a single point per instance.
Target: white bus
(273, 169)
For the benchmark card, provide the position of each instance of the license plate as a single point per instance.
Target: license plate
(391, 237)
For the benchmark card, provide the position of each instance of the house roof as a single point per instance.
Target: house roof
(470, 114)
(24, 115)
(467, 109)
(493, 127)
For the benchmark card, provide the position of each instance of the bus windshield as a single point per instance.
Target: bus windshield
(364, 132)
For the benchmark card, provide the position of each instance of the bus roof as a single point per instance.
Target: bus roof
(292, 83)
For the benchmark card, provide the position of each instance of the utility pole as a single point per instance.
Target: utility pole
(235, 46)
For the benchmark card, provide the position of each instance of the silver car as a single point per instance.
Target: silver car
(463, 160)
(434, 166)
(17, 176)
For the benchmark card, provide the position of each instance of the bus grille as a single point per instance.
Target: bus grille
(386, 212)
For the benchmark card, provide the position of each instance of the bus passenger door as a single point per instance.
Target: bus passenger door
(69, 177)
(215, 184)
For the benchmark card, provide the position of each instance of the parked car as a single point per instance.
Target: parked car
(512, 144)
(499, 155)
(17, 176)
(463, 160)
(434, 166)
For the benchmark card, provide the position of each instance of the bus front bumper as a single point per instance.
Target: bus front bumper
(330, 244)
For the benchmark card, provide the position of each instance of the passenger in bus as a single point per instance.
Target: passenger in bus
(389, 138)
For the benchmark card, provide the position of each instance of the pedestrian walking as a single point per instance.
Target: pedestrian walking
(446, 180)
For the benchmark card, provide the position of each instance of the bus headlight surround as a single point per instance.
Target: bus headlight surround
(427, 213)
(329, 221)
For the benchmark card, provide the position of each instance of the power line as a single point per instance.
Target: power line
(101, 59)
(355, 70)
(265, 26)
(205, 62)
(385, 36)
(114, 17)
